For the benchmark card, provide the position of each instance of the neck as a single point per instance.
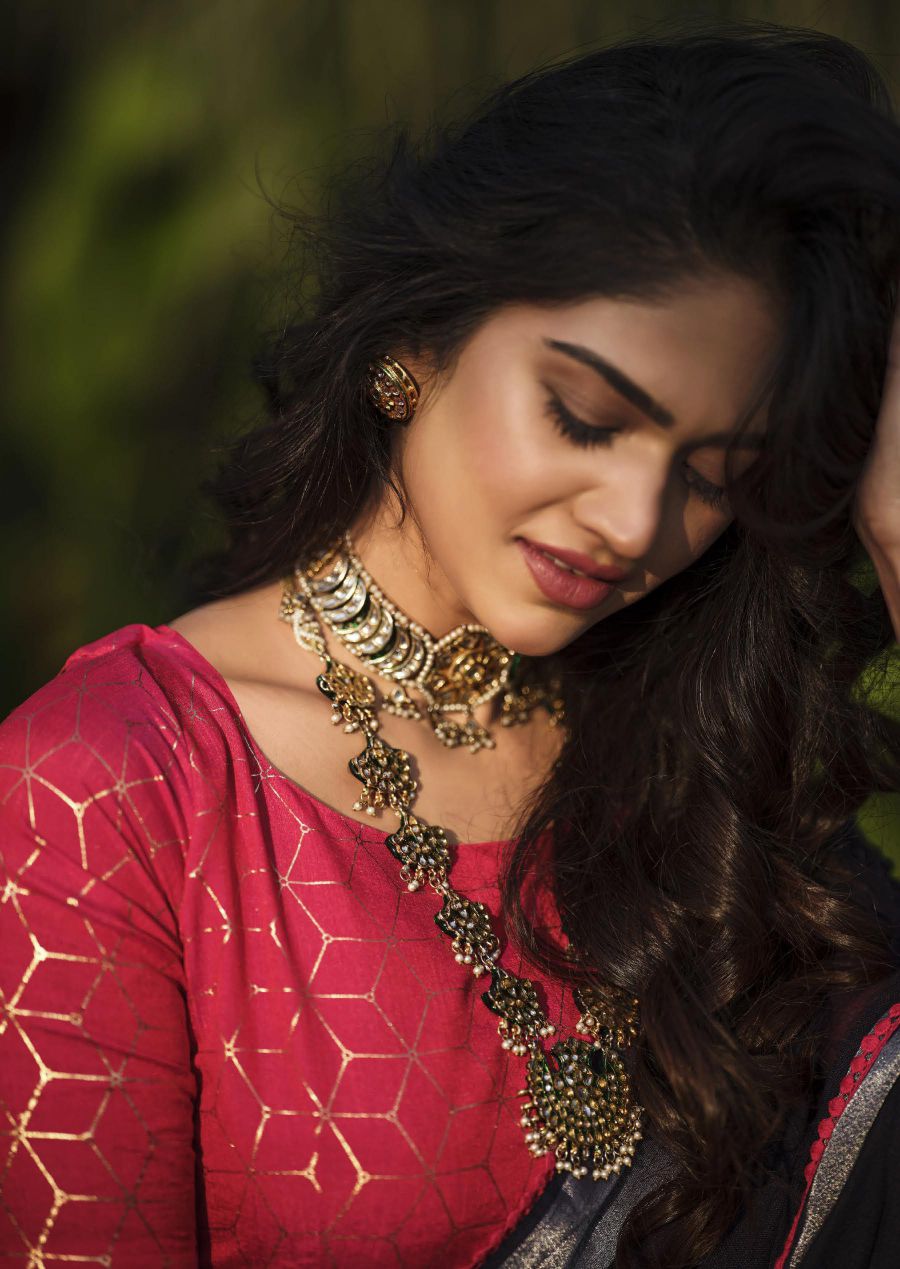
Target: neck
(460, 677)
(398, 561)
(461, 670)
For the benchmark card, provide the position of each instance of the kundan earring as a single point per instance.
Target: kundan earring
(392, 389)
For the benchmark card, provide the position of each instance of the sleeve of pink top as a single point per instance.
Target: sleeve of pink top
(96, 1086)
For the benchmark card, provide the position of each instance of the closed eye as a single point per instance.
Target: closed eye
(588, 435)
(571, 426)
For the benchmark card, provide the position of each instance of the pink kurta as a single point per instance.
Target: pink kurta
(230, 1034)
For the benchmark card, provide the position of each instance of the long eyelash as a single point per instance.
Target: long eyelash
(588, 434)
(706, 491)
(576, 429)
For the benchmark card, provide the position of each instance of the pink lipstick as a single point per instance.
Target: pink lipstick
(559, 584)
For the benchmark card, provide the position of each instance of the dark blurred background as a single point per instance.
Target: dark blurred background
(142, 260)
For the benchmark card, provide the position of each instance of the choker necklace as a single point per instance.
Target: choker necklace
(579, 1104)
(454, 674)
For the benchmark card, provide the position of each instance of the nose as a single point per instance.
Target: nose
(625, 508)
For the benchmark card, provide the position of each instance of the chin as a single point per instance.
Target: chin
(536, 634)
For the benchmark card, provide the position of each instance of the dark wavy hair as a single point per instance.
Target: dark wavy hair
(695, 864)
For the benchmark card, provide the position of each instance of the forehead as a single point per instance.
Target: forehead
(701, 353)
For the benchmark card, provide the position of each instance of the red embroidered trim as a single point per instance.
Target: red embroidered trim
(866, 1054)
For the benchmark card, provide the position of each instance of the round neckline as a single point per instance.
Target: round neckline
(324, 809)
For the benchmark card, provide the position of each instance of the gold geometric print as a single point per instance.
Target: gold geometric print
(229, 1034)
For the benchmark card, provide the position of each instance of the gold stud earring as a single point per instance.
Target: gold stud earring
(392, 389)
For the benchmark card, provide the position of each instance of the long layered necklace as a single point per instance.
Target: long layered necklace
(578, 1101)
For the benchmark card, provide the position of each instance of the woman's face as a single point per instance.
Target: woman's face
(597, 428)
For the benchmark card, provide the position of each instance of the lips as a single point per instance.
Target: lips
(582, 563)
(555, 579)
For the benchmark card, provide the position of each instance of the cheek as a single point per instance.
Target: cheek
(503, 445)
(487, 452)
(481, 451)
(702, 526)
(698, 528)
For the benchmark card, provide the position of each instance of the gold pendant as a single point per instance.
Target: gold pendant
(467, 924)
(385, 775)
(422, 850)
(580, 1107)
(469, 735)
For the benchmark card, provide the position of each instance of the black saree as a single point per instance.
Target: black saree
(831, 1196)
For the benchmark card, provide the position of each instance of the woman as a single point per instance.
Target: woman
(558, 516)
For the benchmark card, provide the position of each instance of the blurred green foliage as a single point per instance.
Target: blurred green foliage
(142, 261)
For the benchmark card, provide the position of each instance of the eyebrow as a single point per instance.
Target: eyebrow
(637, 395)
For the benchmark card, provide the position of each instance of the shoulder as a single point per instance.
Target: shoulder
(112, 741)
(134, 690)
